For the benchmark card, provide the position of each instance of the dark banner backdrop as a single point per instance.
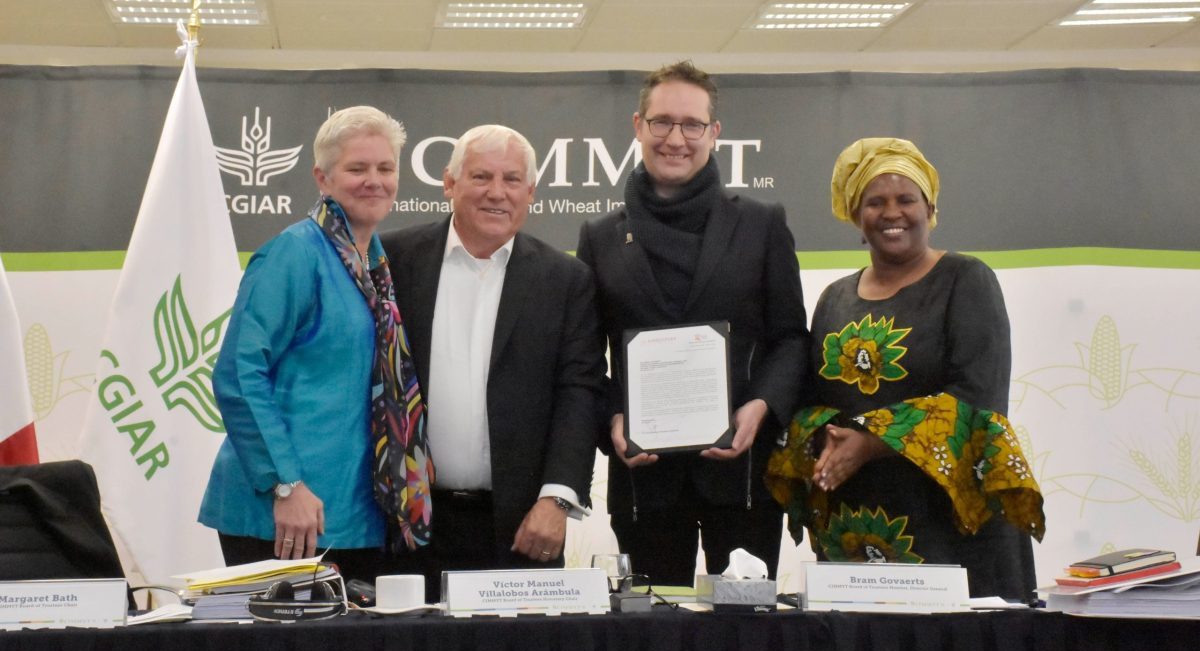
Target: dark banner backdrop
(1034, 159)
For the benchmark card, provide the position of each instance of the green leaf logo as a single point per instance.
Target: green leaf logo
(187, 357)
(867, 536)
(864, 353)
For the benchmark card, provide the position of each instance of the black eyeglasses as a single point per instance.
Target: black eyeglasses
(691, 129)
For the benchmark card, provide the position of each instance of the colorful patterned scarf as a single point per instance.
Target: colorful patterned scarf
(403, 469)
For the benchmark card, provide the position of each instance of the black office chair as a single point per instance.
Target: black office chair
(52, 526)
(53, 529)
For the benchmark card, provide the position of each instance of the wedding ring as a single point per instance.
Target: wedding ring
(288, 541)
(545, 553)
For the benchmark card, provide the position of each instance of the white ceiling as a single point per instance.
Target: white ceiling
(932, 35)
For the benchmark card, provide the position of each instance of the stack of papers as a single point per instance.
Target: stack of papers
(1170, 595)
(223, 593)
(167, 613)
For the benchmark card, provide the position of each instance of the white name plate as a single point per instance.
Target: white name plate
(89, 603)
(513, 592)
(885, 587)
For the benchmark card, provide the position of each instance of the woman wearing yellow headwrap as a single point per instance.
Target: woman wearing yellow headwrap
(906, 455)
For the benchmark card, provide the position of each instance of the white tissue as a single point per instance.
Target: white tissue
(744, 565)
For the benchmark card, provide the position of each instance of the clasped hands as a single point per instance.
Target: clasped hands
(746, 420)
(845, 451)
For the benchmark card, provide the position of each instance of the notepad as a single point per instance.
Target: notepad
(1126, 560)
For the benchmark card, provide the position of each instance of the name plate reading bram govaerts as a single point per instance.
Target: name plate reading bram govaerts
(885, 587)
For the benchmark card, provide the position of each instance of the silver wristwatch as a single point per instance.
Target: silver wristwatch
(283, 491)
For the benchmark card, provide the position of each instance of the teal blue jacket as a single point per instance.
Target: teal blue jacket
(293, 383)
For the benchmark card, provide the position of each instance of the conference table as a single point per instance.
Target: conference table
(660, 630)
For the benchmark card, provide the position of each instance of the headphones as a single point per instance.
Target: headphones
(279, 603)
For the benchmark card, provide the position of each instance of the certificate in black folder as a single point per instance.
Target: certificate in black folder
(677, 393)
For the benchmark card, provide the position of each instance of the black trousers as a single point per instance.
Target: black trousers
(463, 537)
(662, 543)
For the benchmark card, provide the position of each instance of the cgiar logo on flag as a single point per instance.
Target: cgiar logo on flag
(186, 358)
(182, 376)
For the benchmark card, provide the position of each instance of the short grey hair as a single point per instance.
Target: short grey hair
(350, 122)
(489, 138)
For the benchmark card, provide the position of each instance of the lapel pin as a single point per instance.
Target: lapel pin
(629, 238)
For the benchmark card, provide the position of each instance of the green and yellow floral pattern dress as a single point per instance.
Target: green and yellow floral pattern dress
(927, 371)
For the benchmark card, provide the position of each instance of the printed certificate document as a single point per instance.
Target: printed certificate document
(677, 388)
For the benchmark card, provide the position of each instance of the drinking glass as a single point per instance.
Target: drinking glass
(617, 568)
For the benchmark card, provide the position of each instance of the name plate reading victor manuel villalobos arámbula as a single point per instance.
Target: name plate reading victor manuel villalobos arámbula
(513, 592)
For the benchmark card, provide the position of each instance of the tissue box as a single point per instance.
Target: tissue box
(736, 595)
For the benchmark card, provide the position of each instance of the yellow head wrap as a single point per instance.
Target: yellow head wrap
(866, 159)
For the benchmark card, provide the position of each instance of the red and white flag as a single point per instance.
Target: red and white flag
(18, 445)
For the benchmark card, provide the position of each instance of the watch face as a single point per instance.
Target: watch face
(283, 490)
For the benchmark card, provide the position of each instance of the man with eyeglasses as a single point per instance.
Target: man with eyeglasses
(682, 250)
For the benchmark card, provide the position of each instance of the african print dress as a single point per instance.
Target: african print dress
(926, 370)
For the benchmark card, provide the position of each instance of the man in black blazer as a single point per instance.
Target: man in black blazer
(508, 350)
(684, 251)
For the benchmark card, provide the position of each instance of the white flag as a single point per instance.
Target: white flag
(18, 445)
(152, 427)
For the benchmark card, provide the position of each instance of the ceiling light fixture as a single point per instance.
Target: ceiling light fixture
(1148, 12)
(1143, 2)
(1125, 21)
(168, 12)
(826, 15)
(1134, 12)
(511, 15)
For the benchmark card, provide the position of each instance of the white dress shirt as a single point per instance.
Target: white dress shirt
(464, 323)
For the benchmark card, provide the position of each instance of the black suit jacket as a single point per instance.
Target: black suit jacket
(547, 368)
(747, 274)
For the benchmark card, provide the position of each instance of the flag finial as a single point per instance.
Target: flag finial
(193, 24)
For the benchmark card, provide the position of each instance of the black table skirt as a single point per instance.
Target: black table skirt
(658, 631)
